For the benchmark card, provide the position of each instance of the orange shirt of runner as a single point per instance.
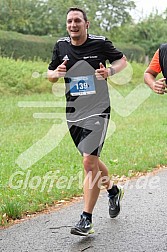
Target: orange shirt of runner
(154, 64)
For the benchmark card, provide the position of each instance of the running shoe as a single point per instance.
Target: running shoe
(83, 228)
(114, 203)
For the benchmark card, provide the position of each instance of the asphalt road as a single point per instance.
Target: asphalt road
(140, 227)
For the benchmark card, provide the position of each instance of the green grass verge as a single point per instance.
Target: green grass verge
(138, 144)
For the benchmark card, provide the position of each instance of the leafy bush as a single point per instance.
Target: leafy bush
(132, 52)
(23, 77)
(27, 47)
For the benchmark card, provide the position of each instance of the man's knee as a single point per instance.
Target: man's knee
(90, 163)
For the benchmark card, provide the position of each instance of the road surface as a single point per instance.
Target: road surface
(140, 227)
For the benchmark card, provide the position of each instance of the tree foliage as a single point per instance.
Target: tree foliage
(108, 17)
(42, 17)
(148, 33)
(111, 13)
(25, 16)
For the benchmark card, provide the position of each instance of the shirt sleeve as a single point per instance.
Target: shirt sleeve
(111, 52)
(154, 64)
(55, 62)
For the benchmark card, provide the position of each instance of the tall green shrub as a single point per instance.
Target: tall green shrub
(132, 52)
(27, 47)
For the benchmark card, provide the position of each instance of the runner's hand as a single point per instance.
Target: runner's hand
(159, 86)
(61, 70)
(101, 73)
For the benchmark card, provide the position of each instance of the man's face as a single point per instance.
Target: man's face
(76, 25)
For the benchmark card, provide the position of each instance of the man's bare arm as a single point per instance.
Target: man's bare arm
(60, 71)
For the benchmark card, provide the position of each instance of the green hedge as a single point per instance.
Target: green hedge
(132, 52)
(28, 47)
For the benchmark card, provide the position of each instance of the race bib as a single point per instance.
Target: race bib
(82, 85)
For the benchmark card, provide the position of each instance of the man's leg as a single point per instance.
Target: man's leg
(91, 185)
(106, 181)
(115, 193)
(91, 193)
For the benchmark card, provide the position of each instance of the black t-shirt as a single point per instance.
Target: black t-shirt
(163, 59)
(81, 65)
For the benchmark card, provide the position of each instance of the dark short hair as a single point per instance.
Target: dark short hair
(78, 9)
